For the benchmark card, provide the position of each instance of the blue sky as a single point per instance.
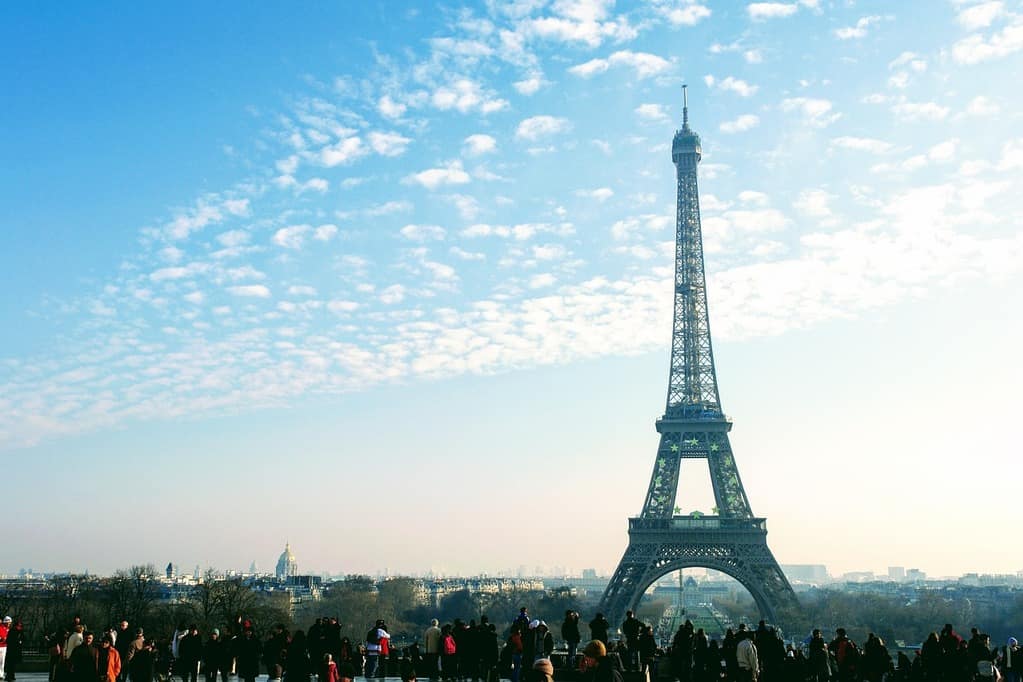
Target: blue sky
(323, 260)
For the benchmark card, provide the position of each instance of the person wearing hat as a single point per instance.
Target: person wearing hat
(543, 671)
(597, 665)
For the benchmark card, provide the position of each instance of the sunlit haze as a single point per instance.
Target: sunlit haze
(393, 283)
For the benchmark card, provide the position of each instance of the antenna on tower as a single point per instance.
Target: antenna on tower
(685, 106)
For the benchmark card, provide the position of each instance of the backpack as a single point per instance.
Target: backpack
(985, 668)
(371, 637)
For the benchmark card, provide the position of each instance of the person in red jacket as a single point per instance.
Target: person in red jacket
(5, 627)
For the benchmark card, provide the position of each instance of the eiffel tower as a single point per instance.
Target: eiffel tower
(662, 540)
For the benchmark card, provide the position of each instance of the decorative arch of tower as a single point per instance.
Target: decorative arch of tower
(661, 539)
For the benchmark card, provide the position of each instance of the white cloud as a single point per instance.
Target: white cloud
(466, 95)
(343, 152)
(814, 203)
(915, 111)
(732, 84)
(981, 16)
(857, 31)
(388, 144)
(536, 127)
(689, 14)
(301, 290)
(423, 233)
(250, 291)
(944, 151)
(342, 306)
(862, 144)
(771, 10)
(579, 21)
(205, 214)
(909, 59)
(196, 297)
(233, 238)
(520, 232)
(529, 86)
(541, 281)
(461, 253)
(644, 64)
(432, 178)
(749, 196)
(292, 236)
(982, 106)
(392, 294)
(478, 144)
(388, 108)
(325, 233)
(468, 207)
(753, 56)
(653, 112)
(816, 112)
(975, 49)
(388, 208)
(601, 194)
(176, 272)
(549, 252)
(741, 124)
(630, 228)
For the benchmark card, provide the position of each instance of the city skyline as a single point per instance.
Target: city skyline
(396, 287)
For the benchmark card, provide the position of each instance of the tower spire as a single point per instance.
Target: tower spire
(685, 106)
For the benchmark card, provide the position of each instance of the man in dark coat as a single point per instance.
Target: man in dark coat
(631, 628)
(189, 655)
(247, 654)
(599, 628)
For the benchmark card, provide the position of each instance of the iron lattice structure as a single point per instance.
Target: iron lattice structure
(661, 539)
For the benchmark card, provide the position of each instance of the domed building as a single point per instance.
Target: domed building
(287, 566)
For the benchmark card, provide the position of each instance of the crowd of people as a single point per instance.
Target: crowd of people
(476, 652)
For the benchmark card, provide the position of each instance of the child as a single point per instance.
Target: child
(328, 672)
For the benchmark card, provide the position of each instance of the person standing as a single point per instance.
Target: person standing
(108, 660)
(376, 647)
(15, 646)
(123, 642)
(273, 652)
(74, 640)
(570, 633)
(85, 661)
(5, 628)
(631, 628)
(189, 655)
(248, 654)
(212, 653)
(296, 659)
(142, 667)
(431, 645)
(599, 628)
(448, 654)
(747, 661)
(648, 651)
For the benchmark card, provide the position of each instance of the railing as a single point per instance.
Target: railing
(698, 523)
